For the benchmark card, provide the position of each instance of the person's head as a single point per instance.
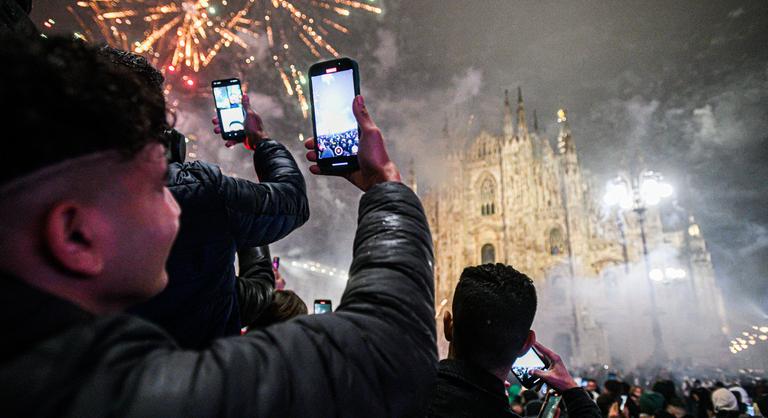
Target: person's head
(517, 408)
(493, 309)
(286, 304)
(84, 212)
(651, 402)
(613, 387)
(724, 400)
(591, 385)
(666, 388)
(151, 77)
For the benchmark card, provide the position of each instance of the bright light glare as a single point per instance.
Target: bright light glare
(617, 194)
(656, 275)
(652, 191)
(764, 330)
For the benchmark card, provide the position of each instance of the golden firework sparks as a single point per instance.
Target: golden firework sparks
(190, 33)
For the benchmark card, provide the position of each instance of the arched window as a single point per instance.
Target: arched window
(556, 242)
(488, 197)
(487, 254)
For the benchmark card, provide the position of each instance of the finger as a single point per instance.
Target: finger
(314, 169)
(311, 156)
(309, 143)
(539, 372)
(361, 114)
(551, 355)
(246, 102)
(231, 143)
(215, 121)
(217, 130)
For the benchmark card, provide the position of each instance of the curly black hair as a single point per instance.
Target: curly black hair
(65, 100)
(493, 309)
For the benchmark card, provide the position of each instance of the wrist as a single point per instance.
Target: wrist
(389, 172)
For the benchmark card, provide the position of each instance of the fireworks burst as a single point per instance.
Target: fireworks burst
(188, 34)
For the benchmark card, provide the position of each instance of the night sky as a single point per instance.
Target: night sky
(683, 84)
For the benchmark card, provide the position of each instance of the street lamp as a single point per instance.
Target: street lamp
(637, 194)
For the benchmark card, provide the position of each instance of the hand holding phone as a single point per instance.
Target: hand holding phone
(233, 128)
(555, 375)
(374, 162)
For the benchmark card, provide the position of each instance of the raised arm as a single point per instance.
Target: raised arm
(262, 213)
(375, 356)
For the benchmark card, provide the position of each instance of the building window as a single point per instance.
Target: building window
(556, 242)
(487, 254)
(488, 197)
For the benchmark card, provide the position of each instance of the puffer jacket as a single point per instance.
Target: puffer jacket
(255, 282)
(218, 215)
(375, 356)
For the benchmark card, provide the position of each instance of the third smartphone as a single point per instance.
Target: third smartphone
(323, 306)
(524, 365)
(333, 86)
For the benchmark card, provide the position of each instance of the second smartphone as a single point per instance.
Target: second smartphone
(333, 86)
(229, 108)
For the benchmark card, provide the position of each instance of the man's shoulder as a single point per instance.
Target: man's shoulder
(89, 357)
(458, 393)
(193, 172)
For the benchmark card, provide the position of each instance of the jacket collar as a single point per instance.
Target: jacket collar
(475, 376)
(29, 315)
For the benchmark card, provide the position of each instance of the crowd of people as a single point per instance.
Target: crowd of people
(338, 145)
(119, 294)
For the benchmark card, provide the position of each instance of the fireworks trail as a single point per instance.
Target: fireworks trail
(186, 35)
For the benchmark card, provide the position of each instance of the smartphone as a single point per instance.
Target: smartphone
(549, 406)
(333, 86)
(323, 306)
(623, 403)
(523, 366)
(228, 97)
(275, 263)
(751, 410)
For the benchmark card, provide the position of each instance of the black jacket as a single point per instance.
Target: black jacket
(374, 356)
(218, 215)
(255, 282)
(463, 390)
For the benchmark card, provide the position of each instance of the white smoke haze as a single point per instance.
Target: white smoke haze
(685, 88)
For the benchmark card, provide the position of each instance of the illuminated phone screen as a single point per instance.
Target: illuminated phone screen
(336, 126)
(229, 104)
(523, 366)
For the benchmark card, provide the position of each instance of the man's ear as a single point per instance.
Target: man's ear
(70, 236)
(530, 340)
(448, 325)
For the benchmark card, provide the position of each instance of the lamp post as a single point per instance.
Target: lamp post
(637, 193)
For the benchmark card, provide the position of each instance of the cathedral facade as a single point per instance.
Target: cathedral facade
(513, 199)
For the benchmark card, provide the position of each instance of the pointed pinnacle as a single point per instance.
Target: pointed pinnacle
(519, 94)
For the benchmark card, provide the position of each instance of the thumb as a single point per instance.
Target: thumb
(361, 114)
(539, 372)
(246, 102)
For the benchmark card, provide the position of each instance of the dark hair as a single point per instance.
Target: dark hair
(136, 63)
(66, 101)
(493, 309)
(285, 305)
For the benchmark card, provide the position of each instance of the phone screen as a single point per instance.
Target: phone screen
(322, 306)
(228, 96)
(276, 262)
(623, 402)
(335, 124)
(523, 366)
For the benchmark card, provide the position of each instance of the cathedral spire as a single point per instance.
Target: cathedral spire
(522, 127)
(535, 122)
(508, 128)
(564, 139)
